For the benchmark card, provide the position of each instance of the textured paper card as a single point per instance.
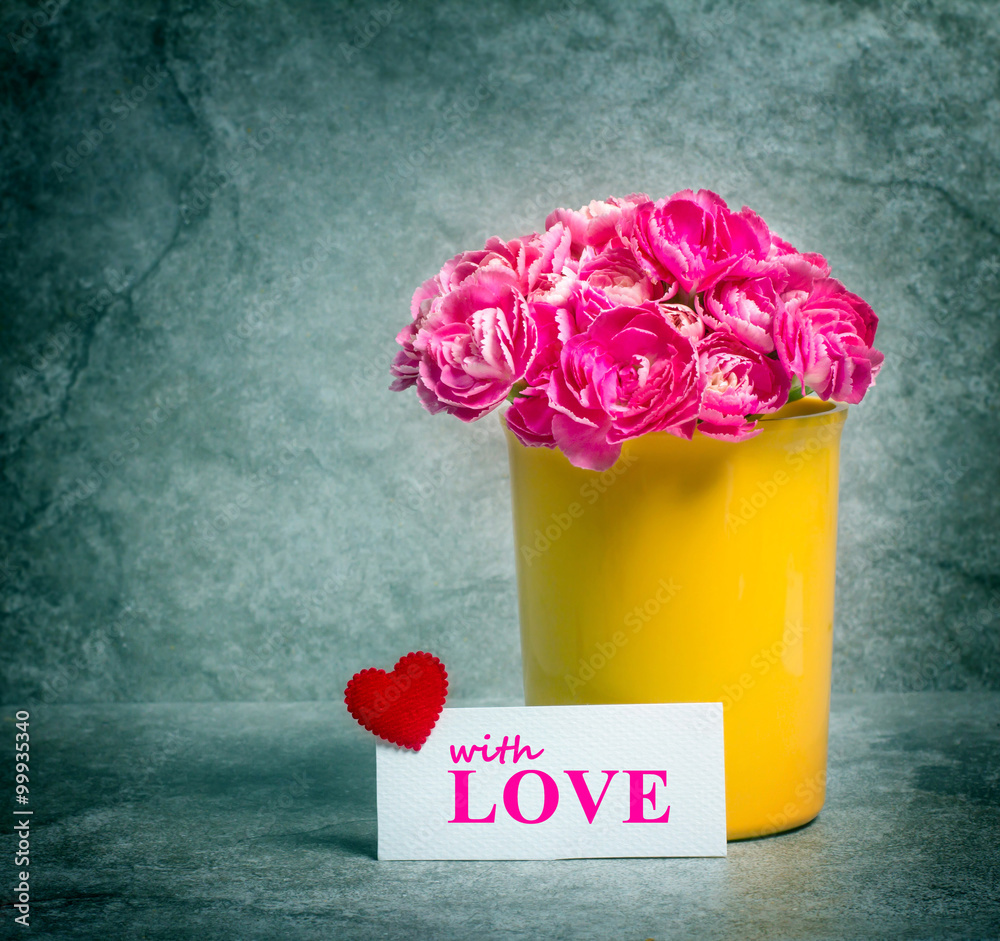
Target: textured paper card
(557, 782)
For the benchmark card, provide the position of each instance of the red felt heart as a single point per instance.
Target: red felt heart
(403, 706)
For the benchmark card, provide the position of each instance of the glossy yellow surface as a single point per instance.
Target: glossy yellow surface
(694, 571)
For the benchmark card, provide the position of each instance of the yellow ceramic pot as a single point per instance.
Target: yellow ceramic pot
(694, 571)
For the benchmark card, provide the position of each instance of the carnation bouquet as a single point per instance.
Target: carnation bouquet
(630, 316)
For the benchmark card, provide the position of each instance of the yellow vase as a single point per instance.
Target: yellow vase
(694, 571)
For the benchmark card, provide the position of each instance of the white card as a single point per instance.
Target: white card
(572, 782)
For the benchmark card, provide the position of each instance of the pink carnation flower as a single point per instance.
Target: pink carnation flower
(801, 270)
(539, 259)
(684, 320)
(692, 239)
(739, 381)
(560, 312)
(468, 347)
(630, 373)
(455, 271)
(468, 371)
(825, 337)
(744, 307)
(530, 418)
(616, 272)
(598, 222)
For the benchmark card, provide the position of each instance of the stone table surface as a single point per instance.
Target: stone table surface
(238, 820)
(207, 490)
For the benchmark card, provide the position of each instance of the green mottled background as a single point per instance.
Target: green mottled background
(209, 493)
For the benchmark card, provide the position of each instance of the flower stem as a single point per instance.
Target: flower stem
(516, 390)
(799, 391)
